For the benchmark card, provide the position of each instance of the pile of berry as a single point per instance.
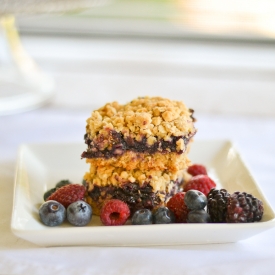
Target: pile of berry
(200, 193)
(199, 202)
(65, 201)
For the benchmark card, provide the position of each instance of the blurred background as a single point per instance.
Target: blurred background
(213, 54)
(243, 19)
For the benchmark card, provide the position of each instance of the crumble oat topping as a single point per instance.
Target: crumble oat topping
(116, 176)
(143, 161)
(149, 116)
(145, 124)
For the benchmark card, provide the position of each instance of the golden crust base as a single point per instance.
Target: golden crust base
(143, 161)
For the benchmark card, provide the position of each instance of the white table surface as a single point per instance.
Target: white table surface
(87, 77)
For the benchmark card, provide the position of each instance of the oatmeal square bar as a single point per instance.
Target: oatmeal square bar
(145, 125)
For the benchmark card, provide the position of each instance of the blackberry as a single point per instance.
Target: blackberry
(243, 207)
(217, 204)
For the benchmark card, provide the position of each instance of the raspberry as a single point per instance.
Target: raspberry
(217, 204)
(68, 194)
(243, 207)
(201, 183)
(197, 169)
(114, 212)
(177, 205)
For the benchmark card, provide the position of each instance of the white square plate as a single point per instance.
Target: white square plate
(40, 166)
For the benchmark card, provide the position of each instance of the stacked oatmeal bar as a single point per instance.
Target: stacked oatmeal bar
(137, 152)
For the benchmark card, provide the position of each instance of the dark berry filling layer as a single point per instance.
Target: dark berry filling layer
(117, 145)
(136, 196)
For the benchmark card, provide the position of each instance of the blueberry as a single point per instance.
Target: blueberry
(142, 216)
(48, 193)
(195, 200)
(198, 216)
(163, 215)
(79, 213)
(62, 183)
(52, 213)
